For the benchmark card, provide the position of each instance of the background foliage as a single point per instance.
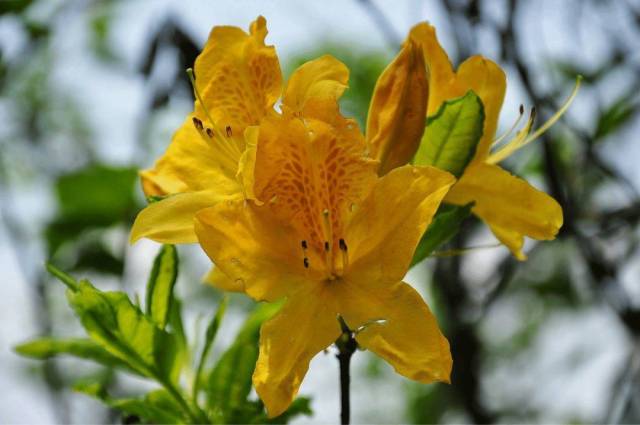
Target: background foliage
(551, 340)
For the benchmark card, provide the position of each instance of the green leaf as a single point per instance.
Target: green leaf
(63, 277)
(210, 336)
(95, 197)
(230, 380)
(156, 407)
(176, 324)
(103, 193)
(614, 117)
(160, 285)
(444, 226)
(452, 134)
(45, 348)
(119, 327)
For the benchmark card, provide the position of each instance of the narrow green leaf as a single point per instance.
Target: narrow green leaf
(83, 348)
(210, 336)
(113, 322)
(616, 116)
(452, 134)
(160, 285)
(156, 407)
(176, 324)
(230, 379)
(444, 226)
(71, 283)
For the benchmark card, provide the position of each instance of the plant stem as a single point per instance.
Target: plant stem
(175, 393)
(347, 345)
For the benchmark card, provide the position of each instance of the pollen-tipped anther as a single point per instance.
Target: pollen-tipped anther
(343, 245)
(209, 133)
(197, 123)
(228, 130)
(345, 255)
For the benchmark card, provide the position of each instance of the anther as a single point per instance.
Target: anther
(345, 255)
(197, 123)
(306, 263)
(326, 246)
(521, 109)
(304, 244)
(209, 133)
(229, 132)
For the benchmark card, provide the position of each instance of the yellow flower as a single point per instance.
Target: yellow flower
(238, 81)
(510, 206)
(327, 234)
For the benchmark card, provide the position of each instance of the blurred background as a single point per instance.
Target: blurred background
(91, 91)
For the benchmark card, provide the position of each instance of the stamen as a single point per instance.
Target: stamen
(306, 263)
(210, 133)
(231, 148)
(192, 79)
(326, 246)
(304, 244)
(523, 138)
(229, 132)
(513, 127)
(345, 255)
(197, 123)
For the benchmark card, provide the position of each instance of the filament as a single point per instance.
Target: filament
(523, 137)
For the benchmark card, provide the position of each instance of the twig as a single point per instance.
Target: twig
(389, 33)
(347, 345)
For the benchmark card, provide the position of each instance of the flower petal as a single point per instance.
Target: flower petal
(388, 225)
(489, 82)
(440, 70)
(315, 87)
(477, 73)
(396, 116)
(238, 76)
(191, 164)
(252, 248)
(306, 325)
(509, 205)
(218, 279)
(394, 322)
(304, 167)
(171, 220)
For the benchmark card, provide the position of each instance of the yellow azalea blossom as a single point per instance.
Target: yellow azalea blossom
(289, 206)
(510, 206)
(238, 81)
(325, 233)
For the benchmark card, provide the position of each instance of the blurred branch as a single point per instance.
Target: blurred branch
(384, 25)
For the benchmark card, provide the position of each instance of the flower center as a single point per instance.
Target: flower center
(310, 174)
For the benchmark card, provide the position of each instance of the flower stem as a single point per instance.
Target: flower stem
(347, 345)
